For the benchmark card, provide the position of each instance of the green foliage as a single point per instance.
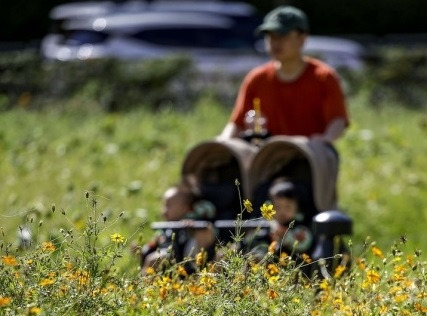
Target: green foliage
(29, 82)
(74, 274)
(398, 75)
(129, 159)
(382, 181)
(75, 175)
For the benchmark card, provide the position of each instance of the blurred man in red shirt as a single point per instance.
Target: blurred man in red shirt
(297, 95)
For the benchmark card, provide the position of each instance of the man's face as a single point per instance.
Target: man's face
(284, 47)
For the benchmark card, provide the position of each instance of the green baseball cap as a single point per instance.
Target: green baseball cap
(283, 20)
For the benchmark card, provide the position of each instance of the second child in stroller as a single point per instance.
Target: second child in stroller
(181, 202)
(290, 233)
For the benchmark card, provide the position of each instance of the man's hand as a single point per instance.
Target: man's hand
(230, 130)
(333, 131)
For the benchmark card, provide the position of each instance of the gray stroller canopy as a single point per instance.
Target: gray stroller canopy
(278, 151)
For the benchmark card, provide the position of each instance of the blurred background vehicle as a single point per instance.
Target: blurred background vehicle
(216, 36)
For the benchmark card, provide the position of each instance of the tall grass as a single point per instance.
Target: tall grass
(76, 273)
(128, 159)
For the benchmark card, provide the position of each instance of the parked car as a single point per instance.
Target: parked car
(337, 52)
(217, 36)
(77, 10)
(243, 13)
(213, 41)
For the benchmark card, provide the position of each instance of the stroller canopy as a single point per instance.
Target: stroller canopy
(299, 159)
(216, 165)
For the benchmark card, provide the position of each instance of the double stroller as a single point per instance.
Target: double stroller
(217, 165)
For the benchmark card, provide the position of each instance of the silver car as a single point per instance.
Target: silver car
(210, 40)
(217, 37)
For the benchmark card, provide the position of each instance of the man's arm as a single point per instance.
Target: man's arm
(230, 130)
(334, 130)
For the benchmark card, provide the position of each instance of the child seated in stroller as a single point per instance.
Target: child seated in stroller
(287, 198)
(289, 232)
(181, 202)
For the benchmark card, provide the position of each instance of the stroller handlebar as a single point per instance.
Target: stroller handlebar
(222, 224)
(178, 225)
(254, 223)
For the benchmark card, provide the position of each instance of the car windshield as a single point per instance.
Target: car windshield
(81, 37)
(195, 38)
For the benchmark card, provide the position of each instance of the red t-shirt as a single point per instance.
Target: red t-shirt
(302, 107)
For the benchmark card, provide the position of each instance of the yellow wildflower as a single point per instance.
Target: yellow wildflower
(181, 271)
(377, 252)
(206, 279)
(272, 269)
(63, 290)
(150, 271)
(395, 289)
(324, 285)
(117, 238)
(48, 247)
(255, 267)
(267, 211)
(398, 277)
(248, 205)
(196, 290)
(163, 292)
(401, 298)
(34, 310)
(338, 302)
(165, 281)
(176, 286)
(272, 247)
(284, 259)
(306, 258)
(421, 308)
(82, 277)
(410, 260)
(373, 276)
(400, 269)
(339, 271)
(200, 258)
(247, 290)
(361, 264)
(45, 282)
(9, 260)
(68, 265)
(272, 294)
(4, 301)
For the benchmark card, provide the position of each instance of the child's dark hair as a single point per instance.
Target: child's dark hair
(284, 189)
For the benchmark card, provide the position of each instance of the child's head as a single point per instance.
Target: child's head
(178, 200)
(284, 196)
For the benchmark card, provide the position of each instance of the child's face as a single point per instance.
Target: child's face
(286, 209)
(175, 205)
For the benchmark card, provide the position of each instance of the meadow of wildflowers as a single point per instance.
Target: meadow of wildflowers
(75, 274)
(67, 251)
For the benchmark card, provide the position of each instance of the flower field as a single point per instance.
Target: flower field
(79, 188)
